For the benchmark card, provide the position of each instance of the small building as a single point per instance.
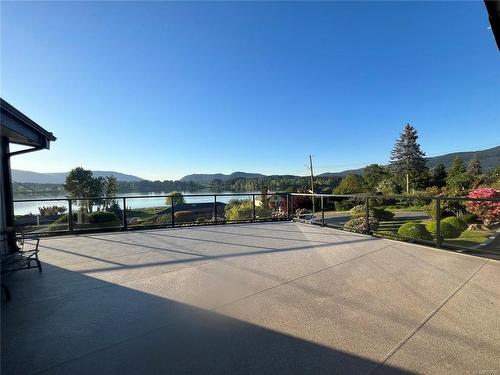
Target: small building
(15, 128)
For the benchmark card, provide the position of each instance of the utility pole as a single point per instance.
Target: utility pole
(312, 179)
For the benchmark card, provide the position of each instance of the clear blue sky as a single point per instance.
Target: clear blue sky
(161, 90)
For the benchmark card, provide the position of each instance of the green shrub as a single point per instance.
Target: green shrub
(454, 221)
(447, 230)
(377, 212)
(468, 218)
(184, 217)
(63, 219)
(358, 224)
(240, 213)
(103, 217)
(115, 208)
(357, 210)
(431, 227)
(448, 208)
(263, 213)
(414, 230)
(430, 210)
(62, 222)
(344, 204)
(241, 210)
(382, 214)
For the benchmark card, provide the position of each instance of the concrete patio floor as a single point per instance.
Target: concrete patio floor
(275, 298)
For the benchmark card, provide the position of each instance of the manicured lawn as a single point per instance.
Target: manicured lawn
(403, 209)
(470, 238)
(391, 227)
(143, 213)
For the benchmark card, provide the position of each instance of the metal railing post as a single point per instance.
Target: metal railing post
(438, 223)
(322, 212)
(172, 210)
(253, 208)
(215, 209)
(124, 218)
(70, 215)
(367, 215)
(288, 206)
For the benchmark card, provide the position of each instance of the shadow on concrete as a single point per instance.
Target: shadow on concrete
(197, 256)
(117, 330)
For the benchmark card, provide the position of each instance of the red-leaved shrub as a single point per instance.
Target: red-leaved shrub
(488, 212)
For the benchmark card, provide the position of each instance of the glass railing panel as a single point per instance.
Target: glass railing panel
(151, 211)
(401, 218)
(198, 209)
(271, 206)
(301, 207)
(238, 208)
(469, 224)
(93, 214)
(347, 213)
(42, 216)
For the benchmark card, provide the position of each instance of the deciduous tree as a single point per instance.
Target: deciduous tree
(350, 184)
(373, 175)
(177, 198)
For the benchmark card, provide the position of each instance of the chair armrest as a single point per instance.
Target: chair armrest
(34, 241)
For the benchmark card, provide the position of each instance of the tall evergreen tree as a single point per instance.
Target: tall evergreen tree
(457, 179)
(494, 178)
(438, 175)
(407, 159)
(474, 169)
(475, 173)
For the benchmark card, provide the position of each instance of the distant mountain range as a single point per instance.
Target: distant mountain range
(58, 178)
(489, 158)
(205, 178)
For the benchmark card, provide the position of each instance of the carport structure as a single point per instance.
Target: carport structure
(257, 298)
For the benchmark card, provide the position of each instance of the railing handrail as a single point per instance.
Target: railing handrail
(145, 196)
(374, 196)
(212, 198)
(359, 196)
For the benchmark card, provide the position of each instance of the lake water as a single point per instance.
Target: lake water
(153, 199)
